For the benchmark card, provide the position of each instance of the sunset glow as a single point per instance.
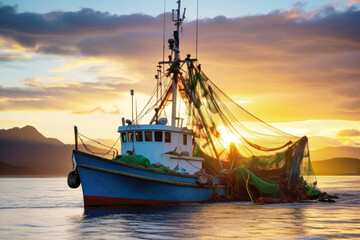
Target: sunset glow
(293, 65)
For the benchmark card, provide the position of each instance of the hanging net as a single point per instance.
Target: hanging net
(229, 137)
(251, 155)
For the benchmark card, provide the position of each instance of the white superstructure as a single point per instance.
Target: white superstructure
(168, 145)
(160, 143)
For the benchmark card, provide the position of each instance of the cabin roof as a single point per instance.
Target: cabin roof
(153, 127)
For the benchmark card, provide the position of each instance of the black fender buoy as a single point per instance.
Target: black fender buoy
(73, 179)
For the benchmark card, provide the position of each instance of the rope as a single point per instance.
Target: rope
(153, 106)
(193, 165)
(215, 191)
(248, 190)
(141, 114)
(271, 127)
(97, 153)
(88, 149)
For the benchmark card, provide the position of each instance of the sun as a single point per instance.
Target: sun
(228, 137)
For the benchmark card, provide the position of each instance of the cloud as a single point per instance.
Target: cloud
(101, 34)
(115, 111)
(348, 133)
(11, 57)
(42, 94)
(354, 2)
(55, 50)
(296, 65)
(317, 142)
(279, 35)
(60, 23)
(30, 29)
(75, 64)
(6, 122)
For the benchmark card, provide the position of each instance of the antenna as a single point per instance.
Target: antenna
(132, 105)
(157, 87)
(159, 80)
(177, 22)
(136, 112)
(175, 47)
(164, 32)
(197, 27)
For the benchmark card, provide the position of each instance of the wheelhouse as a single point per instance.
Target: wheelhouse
(170, 146)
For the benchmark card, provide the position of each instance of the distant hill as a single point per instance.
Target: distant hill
(8, 169)
(337, 166)
(317, 142)
(335, 152)
(27, 133)
(26, 151)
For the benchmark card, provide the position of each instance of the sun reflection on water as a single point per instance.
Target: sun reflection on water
(223, 220)
(46, 208)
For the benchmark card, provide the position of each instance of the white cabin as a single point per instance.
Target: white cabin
(170, 146)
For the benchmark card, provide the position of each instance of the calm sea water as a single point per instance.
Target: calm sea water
(45, 208)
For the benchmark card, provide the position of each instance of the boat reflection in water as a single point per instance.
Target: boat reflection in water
(227, 220)
(43, 208)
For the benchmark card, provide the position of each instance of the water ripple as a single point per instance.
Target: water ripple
(47, 208)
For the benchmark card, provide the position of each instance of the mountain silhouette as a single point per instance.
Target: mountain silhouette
(337, 166)
(26, 151)
(27, 133)
(335, 152)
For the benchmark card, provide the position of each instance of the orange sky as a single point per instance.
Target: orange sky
(295, 68)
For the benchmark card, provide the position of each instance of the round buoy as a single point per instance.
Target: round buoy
(73, 179)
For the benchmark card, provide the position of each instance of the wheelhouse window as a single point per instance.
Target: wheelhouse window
(123, 137)
(130, 136)
(158, 136)
(167, 137)
(148, 136)
(139, 136)
(184, 139)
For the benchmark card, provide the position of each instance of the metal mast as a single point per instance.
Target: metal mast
(178, 21)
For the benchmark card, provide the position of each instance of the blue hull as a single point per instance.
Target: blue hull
(105, 182)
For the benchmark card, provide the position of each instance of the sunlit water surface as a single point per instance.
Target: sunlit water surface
(45, 208)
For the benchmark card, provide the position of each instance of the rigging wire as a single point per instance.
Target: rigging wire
(197, 26)
(278, 131)
(243, 109)
(99, 153)
(139, 117)
(148, 107)
(164, 32)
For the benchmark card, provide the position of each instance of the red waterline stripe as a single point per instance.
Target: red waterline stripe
(102, 201)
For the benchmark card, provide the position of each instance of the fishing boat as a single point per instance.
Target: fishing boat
(217, 152)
